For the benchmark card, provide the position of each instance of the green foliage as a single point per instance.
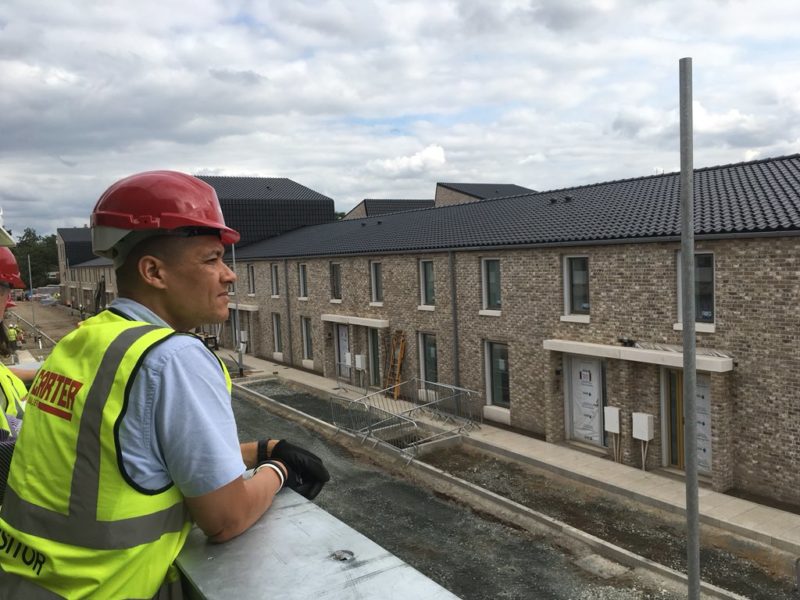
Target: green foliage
(43, 255)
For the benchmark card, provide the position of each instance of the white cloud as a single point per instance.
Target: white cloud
(428, 159)
(360, 99)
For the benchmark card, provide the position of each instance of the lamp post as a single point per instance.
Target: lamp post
(235, 319)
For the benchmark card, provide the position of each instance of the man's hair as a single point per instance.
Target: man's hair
(163, 247)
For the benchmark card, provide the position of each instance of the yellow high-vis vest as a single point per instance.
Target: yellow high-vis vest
(13, 392)
(71, 523)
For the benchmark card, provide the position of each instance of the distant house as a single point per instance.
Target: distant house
(262, 207)
(556, 305)
(461, 193)
(257, 207)
(373, 207)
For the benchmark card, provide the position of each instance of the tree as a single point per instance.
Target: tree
(43, 255)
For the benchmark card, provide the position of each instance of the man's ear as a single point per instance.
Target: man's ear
(152, 271)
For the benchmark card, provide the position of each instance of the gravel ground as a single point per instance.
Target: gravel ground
(732, 563)
(475, 557)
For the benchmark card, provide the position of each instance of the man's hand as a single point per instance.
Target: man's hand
(306, 473)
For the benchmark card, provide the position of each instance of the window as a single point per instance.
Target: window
(576, 285)
(428, 370)
(336, 281)
(277, 342)
(497, 374)
(703, 287)
(426, 287)
(251, 279)
(376, 281)
(305, 325)
(491, 283)
(302, 278)
(374, 357)
(276, 284)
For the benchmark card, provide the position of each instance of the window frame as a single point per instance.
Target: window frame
(569, 287)
(376, 281)
(485, 285)
(700, 324)
(275, 283)
(251, 279)
(336, 280)
(489, 374)
(277, 337)
(308, 344)
(302, 280)
(423, 357)
(426, 298)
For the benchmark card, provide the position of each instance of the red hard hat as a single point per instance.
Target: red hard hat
(9, 270)
(157, 200)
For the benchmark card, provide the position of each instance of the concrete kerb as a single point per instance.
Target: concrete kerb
(477, 497)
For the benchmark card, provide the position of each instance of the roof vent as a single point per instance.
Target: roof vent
(363, 224)
(567, 198)
(379, 222)
(553, 200)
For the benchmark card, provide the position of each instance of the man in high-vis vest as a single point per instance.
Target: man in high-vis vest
(129, 434)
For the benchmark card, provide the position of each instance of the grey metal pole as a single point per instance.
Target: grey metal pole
(689, 343)
(235, 319)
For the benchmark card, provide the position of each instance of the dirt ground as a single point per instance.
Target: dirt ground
(731, 562)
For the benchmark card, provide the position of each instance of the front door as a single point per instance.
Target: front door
(342, 350)
(585, 402)
(676, 422)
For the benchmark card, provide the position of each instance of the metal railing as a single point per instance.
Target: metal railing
(409, 414)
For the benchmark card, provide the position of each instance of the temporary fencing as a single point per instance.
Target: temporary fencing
(409, 414)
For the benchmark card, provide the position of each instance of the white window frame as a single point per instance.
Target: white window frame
(302, 281)
(337, 267)
(274, 280)
(700, 326)
(426, 303)
(376, 283)
(568, 315)
(251, 280)
(486, 310)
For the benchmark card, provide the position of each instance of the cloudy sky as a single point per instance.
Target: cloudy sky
(381, 98)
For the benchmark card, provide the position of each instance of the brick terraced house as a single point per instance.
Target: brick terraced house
(557, 304)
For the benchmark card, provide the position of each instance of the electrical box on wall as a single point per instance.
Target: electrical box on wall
(360, 362)
(611, 419)
(643, 426)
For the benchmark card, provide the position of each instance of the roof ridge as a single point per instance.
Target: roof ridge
(659, 175)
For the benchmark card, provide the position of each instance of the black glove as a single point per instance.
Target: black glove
(307, 474)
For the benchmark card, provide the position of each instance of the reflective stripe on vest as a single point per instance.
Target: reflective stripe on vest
(80, 527)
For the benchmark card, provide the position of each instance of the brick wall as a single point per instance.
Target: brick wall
(634, 294)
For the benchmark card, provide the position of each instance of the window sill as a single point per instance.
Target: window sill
(485, 312)
(576, 318)
(428, 307)
(277, 356)
(336, 300)
(275, 296)
(302, 298)
(251, 295)
(378, 304)
(308, 364)
(498, 414)
(698, 327)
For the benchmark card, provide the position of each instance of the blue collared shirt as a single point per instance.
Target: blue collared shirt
(179, 425)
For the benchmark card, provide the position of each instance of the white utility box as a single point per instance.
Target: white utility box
(348, 361)
(643, 426)
(360, 362)
(611, 419)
